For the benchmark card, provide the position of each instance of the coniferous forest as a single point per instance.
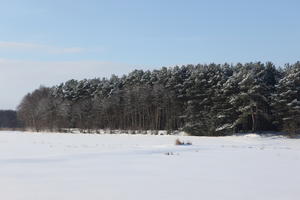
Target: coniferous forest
(211, 100)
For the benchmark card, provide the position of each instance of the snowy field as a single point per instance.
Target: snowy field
(49, 166)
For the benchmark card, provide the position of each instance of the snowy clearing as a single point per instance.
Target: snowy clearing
(50, 166)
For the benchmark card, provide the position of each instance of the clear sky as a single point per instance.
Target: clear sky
(45, 42)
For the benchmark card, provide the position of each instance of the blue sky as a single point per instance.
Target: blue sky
(97, 38)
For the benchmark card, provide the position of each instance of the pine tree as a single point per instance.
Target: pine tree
(286, 101)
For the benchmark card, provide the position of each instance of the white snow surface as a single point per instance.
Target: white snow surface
(52, 166)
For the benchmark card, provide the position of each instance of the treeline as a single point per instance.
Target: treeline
(8, 119)
(199, 99)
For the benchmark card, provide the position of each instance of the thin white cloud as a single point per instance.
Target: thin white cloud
(22, 46)
(19, 45)
(18, 77)
(68, 50)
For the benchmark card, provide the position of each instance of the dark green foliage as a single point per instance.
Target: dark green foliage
(200, 99)
(286, 100)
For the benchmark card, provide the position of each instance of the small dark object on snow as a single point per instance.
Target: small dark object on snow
(169, 153)
(178, 142)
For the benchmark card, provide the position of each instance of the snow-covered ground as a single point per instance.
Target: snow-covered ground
(49, 166)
